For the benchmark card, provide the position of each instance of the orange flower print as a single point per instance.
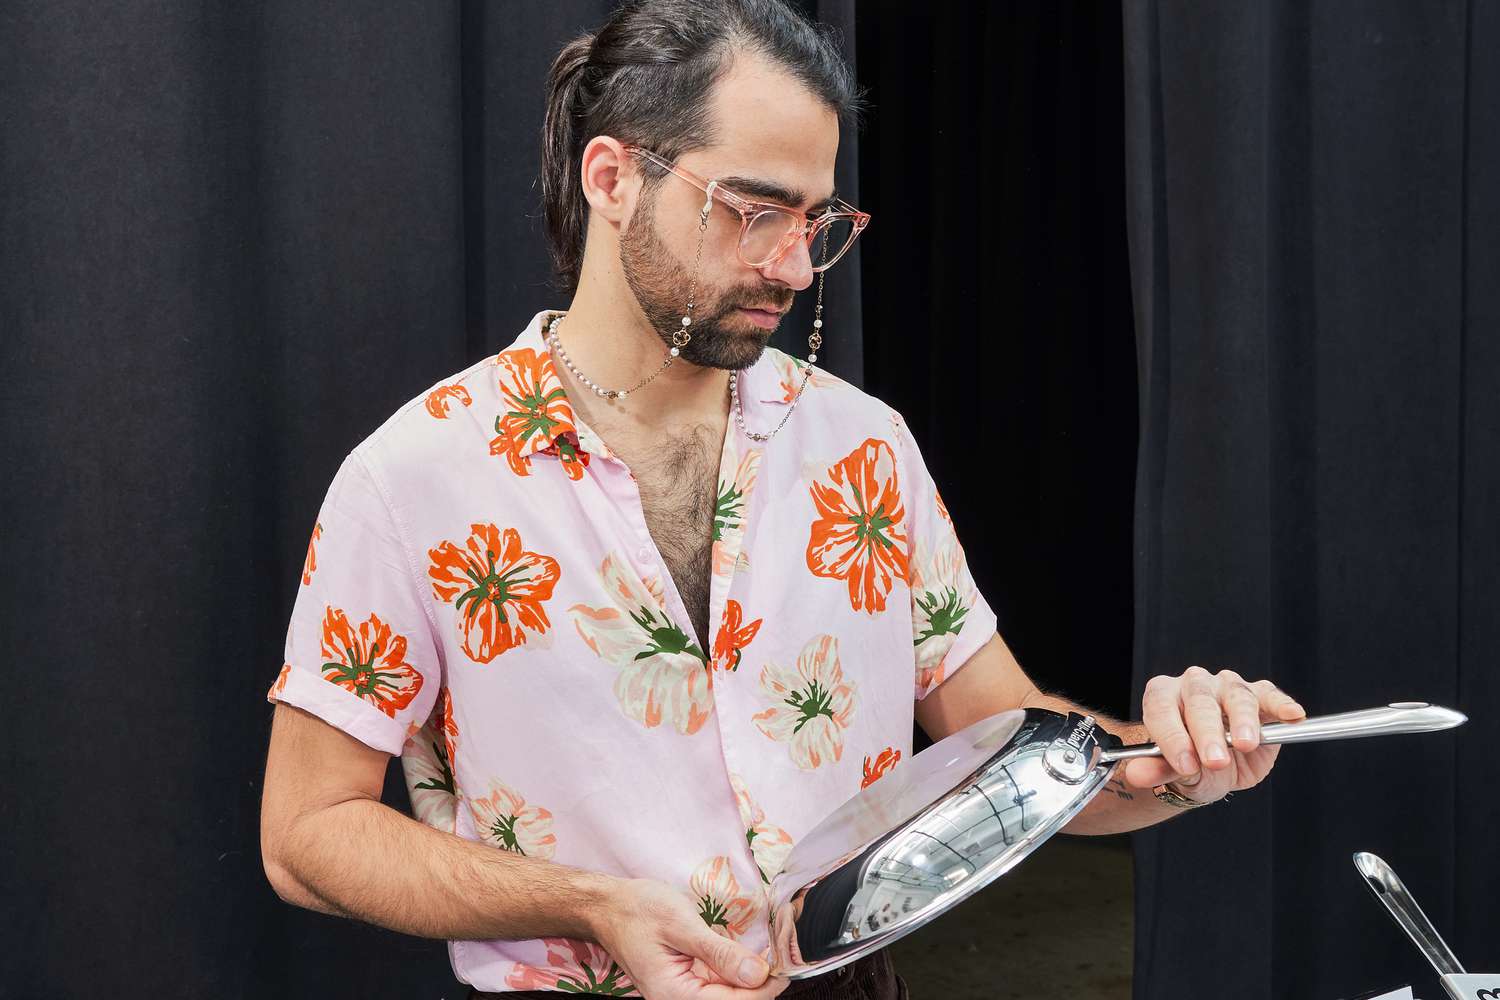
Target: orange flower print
(574, 966)
(729, 515)
(791, 370)
(538, 416)
(369, 661)
(769, 844)
(311, 562)
(427, 765)
(942, 594)
(859, 536)
(942, 508)
(727, 912)
(280, 682)
(497, 587)
(439, 399)
(814, 704)
(450, 728)
(503, 818)
(663, 675)
(884, 761)
(733, 637)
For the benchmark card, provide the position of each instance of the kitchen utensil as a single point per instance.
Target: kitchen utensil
(962, 813)
(1389, 889)
(1391, 892)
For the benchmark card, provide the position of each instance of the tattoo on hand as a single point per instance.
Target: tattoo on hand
(1120, 791)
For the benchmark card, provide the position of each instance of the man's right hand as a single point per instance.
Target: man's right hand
(669, 953)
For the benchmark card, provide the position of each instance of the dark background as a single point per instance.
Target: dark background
(233, 238)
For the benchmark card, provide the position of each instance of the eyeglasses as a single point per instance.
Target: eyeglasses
(768, 231)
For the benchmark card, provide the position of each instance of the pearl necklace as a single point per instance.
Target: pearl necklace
(557, 346)
(738, 407)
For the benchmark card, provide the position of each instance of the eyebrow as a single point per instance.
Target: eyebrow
(789, 197)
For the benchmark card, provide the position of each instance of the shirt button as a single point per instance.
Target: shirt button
(645, 554)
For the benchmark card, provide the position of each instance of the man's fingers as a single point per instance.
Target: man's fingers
(1242, 709)
(1148, 772)
(1205, 716)
(1276, 703)
(719, 991)
(1162, 713)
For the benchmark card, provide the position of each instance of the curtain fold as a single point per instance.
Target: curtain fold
(1314, 239)
(233, 239)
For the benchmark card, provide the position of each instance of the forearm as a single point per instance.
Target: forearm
(1117, 808)
(364, 860)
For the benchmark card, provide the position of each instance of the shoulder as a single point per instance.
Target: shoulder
(830, 395)
(438, 424)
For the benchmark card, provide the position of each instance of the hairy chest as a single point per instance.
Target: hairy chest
(678, 481)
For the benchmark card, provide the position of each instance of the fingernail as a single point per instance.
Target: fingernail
(1185, 764)
(1216, 753)
(750, 970)
(1245, 733)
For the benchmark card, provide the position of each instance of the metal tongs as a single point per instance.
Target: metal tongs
(1391, 892)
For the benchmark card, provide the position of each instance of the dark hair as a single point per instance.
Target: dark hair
(644, 77)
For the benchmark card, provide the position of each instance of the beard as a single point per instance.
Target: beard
(660, 283)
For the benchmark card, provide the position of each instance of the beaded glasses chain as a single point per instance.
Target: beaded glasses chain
(680, 339)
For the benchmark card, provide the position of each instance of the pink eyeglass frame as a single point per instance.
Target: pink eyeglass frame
(749, 211)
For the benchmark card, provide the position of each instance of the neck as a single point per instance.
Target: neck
(608, 338)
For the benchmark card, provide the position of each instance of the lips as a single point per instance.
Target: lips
(764, 318)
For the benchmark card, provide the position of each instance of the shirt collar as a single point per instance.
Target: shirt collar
(527, 370)
(539, 417)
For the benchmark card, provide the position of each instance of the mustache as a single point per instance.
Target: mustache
(779, 300)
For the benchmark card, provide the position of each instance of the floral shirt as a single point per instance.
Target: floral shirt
(481, 596)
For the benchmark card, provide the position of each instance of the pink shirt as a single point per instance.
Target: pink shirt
(482, 597)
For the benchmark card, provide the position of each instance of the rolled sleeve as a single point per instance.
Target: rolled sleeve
(360, 650)
(950, 618)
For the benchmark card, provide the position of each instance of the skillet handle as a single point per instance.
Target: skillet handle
(1391, 891)
(1399, 717)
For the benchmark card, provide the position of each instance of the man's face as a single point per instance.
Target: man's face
(777, 143)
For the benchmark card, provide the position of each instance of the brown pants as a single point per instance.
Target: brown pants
(869, 978)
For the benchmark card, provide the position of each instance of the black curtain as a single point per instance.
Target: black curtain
(997, 308)
(1315, 245)
(233, 238)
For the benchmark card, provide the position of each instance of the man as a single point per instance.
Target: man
(639, 600)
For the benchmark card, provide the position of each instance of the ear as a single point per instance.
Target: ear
(611, 179)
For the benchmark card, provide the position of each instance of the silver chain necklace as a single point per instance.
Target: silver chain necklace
(734, 395)
(556, 344)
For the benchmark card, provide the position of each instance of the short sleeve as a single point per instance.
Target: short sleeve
(360, 648)
(950, 619)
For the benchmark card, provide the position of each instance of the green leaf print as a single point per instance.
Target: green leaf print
(534, 415)
(362, 676)
(504, 830)
(665, 636)
(491, 586)
(728, 511)
(609, 986)
(712, 911)
(870, 528)
(945, 615)
(812, 702)
(446, 784)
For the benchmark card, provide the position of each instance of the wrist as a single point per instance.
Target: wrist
(1176, 795)
(607, 902)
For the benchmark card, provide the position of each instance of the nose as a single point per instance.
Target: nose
(793, 268)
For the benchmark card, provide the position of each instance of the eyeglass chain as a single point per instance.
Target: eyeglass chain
(680, 339)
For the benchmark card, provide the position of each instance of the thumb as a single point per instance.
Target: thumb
(1146, 772)
(732, 961)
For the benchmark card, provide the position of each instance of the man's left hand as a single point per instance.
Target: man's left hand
(1188, 715)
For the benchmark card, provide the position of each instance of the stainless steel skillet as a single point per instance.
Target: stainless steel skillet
(965, 811)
